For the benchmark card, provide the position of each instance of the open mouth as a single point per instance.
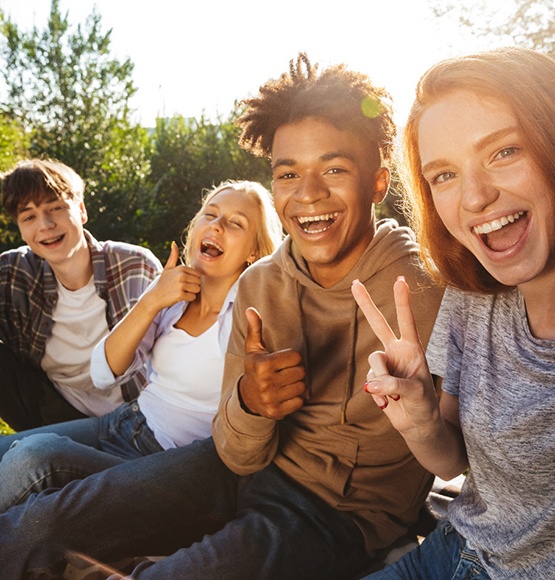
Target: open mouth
(501, 234)
(211, 248)
(52, 240)
(316, 224)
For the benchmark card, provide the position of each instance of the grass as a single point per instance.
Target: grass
(5, 428)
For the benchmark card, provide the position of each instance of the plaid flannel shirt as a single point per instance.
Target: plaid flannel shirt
(28, 295)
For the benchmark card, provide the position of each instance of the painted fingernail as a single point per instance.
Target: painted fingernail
(382, 407)
(395, 397)
(370, 385)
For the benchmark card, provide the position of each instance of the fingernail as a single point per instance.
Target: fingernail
(382, 407)
(371, 385)
(395, 397)
(355, 281)
(400, 278)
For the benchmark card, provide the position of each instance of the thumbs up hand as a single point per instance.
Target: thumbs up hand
(176, 283)
(273, 383)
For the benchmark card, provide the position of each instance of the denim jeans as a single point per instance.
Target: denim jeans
(443, 555)
(54, 455)
(274, 530)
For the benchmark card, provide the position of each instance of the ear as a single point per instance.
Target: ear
(382, 177)
(83, 211)
(252, 258)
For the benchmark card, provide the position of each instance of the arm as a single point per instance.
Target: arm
(176, 283)
(254, 395)
(401, 385)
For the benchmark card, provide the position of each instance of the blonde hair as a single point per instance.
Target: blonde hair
(525, 81)
(269, 232)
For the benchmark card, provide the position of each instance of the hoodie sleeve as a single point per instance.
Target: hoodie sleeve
(245, 442)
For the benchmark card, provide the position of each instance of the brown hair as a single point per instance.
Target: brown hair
(522, 78)
(269, 232)
(38, 180)
(343, 98)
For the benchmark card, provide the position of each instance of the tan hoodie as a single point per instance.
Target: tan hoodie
(339, 445)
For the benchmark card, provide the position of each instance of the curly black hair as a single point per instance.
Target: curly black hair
(348, 100)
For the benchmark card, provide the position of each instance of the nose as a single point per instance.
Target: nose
(477, 191)
(45, 220)
(217, 224)
(311, 188)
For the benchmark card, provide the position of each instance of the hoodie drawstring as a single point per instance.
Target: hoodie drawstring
(353, 331)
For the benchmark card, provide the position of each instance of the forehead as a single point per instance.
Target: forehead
(37, 198)
(312, 140)
(235, 200)
(461, 118)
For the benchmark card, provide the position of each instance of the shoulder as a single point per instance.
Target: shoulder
(123, 252)
(22, 258)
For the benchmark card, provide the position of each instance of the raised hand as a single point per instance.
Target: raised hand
(273, 383)
(176, 283)
(399, 379)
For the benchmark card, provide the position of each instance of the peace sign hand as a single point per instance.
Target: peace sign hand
(399, 379)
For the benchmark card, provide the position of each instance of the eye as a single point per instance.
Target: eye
(336, 170)
(442, 177)
(209, 215)
(287, 175)
(507, 152)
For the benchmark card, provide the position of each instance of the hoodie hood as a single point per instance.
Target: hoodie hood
(394, 242)
(389, 244)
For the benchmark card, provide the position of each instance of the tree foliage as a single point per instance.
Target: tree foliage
(190, 156)
(72, 97)
(529, 23)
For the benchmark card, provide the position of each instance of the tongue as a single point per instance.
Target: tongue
(317, 226)
(507, 236)
(212, 251)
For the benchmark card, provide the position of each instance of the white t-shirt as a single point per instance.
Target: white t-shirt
(79, 324)
(184, 386)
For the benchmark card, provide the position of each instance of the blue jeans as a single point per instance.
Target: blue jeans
(54, 455)
(443, 555)
(274, 530)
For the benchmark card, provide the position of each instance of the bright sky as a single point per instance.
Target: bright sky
(199, 57)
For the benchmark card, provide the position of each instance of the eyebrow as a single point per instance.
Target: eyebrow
(340, 154)
(480, 145)
(235, 212)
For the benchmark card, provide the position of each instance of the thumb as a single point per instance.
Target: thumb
(253, 342)
(174, 256)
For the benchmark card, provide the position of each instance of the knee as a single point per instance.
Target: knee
(36, 451)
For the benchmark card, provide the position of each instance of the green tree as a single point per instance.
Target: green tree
(190, 156)
(14, 145)
(72, 97)
(529, 23)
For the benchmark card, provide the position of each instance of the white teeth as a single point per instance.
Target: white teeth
(213, 244)
(317, 218)
(497, 224)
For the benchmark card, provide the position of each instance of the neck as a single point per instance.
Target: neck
(75, 272)
(540, 308)
(211, 297)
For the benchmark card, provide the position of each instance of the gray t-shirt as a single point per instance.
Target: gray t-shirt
(505, 381)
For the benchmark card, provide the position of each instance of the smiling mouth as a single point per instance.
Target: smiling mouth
(52, 240)
(503, 233)
(316, 224)
(211, 249)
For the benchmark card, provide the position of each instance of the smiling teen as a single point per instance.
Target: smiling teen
(480, 145)
(311, 477)
(59, 295)
(179, 327)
